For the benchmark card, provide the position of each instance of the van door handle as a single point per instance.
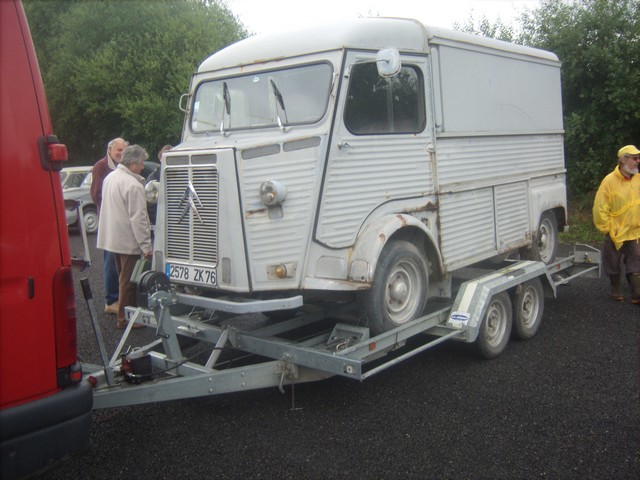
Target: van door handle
(342, 144)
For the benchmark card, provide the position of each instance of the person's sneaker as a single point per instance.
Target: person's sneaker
(113, 308)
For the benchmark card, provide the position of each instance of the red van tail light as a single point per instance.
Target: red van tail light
(53, 154)
(64, 311)
(57, 152)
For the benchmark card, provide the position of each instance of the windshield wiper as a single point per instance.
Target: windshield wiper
(280, 100)
(227, 105)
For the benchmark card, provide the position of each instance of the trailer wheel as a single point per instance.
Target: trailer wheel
(528, 309)
(546, 241)
(496, 327)
(399, 290)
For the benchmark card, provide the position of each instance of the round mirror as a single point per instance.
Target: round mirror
(388, 62)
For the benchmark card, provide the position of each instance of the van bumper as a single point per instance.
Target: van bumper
(37, 434)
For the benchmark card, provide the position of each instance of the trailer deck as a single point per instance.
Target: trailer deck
(208, 346)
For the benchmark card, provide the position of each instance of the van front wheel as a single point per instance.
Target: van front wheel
(399, 290)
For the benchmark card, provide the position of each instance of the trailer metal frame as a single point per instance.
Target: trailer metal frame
(278, 358)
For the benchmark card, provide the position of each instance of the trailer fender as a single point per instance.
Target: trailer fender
(372, 239)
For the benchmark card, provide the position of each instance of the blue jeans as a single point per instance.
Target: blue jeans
(111, 282)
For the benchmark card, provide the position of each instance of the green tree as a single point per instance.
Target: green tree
(486, 28)
(118, 68)
(598, 42)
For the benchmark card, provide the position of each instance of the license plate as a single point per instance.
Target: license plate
(191, 274)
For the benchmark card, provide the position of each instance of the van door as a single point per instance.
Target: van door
(379, 153)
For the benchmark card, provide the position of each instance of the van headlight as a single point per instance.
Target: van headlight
(152, 190)
(272, 193)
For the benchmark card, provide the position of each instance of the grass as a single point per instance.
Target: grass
(581, 228)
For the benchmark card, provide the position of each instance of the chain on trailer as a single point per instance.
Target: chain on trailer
(208, 346)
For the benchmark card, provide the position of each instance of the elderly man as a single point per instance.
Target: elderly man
(124, 224)
(616, 213)
(101, 169)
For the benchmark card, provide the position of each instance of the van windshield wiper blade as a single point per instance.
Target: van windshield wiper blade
(227, 105)
(280, 100)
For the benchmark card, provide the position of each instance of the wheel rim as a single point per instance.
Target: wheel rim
(402, 294)
(530, 307)
(91, 222)
(546, 241)
(496, 323)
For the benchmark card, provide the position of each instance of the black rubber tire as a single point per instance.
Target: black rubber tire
(528, 308)
(399, 290)
(545, 244)
(495, 328)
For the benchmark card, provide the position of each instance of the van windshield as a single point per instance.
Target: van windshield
(293, 96)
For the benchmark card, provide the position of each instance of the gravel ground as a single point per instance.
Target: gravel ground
(561, 405)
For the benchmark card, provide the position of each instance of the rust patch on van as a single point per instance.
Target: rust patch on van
(402, 220)
(427, 207)
(382, 237)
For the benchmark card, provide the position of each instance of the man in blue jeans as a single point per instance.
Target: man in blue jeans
(101, 169)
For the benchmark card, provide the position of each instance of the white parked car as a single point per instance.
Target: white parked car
(76, 186)
(76, 189)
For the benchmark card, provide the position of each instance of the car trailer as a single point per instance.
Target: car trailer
(209, 346)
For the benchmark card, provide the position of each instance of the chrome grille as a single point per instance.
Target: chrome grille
(192, 214)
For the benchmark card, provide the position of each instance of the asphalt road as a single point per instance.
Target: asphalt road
(561, 405)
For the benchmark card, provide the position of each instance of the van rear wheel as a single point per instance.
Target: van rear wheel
(545, 243)
(399, 290)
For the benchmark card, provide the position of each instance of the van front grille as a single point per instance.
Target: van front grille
(192, 214)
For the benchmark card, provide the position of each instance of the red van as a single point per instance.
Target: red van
(45, 411)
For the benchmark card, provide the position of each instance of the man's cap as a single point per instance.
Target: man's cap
(628, 150)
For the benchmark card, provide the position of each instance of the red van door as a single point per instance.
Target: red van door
(44, 411)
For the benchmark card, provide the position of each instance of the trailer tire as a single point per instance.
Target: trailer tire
(528, 309)
(495, 328)
(545, 244)
(399, 290)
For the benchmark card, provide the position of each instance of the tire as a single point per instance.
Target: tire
(90, 217)
(545, 244)
(528, 309)
(399, 290)
(495, 328)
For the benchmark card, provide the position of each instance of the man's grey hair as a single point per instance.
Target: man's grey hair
(116, 140)
(133, 154)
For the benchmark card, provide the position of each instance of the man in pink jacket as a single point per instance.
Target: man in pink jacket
(124, 227)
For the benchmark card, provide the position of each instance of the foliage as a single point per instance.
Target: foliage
(118, 68)
(485, 28)
(598, 42)
(581, 227)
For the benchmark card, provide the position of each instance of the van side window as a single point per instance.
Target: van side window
(378, 105)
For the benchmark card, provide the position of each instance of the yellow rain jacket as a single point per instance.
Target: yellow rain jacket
(616, 209)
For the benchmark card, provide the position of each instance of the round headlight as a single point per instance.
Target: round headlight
(272, 193)
(152, 190)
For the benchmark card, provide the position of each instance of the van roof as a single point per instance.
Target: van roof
(375, 33)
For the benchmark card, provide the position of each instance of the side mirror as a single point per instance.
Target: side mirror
(388, 62)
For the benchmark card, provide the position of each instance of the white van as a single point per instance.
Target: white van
(370, 158)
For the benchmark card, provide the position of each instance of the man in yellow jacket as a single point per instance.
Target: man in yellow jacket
(616, 213)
